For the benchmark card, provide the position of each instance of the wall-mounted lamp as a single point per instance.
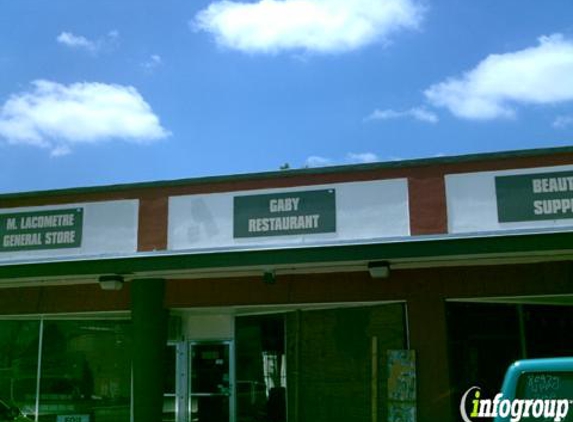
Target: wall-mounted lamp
(269, 277)
(379, 269)
(111, 282)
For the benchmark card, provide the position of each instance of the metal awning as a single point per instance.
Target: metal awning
(414, 252)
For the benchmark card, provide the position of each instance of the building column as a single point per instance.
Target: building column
(150, 321)
(429, 338)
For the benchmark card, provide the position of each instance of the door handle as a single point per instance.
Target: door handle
(225, 390)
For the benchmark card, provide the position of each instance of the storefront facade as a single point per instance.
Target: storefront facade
(371, 292)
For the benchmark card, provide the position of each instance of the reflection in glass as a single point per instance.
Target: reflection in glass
(86, 370)
(210, 382)
(18, 363)
(261, 369)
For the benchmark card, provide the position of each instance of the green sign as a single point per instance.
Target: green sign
(280, 214)
(53, 229)
(532, 197)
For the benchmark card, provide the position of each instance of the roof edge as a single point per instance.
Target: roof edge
(348, 168)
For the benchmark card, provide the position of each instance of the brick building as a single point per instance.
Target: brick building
(358, 292)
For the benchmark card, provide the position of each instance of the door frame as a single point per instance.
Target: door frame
(185, 371)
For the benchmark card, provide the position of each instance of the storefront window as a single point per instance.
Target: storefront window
(483, 341)
(485, 338)
(84, 369)
(261, 369)
(19, 363)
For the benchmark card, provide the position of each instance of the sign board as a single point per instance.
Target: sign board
(51, 229)
(69, 230)
(518, 199)
(530, 197)
(305, 215)
(287, 213)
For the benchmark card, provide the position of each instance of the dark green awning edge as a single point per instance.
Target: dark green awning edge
(418, 250)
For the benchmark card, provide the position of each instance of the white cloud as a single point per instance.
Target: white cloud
(153, 62)
(61, 150)
(360, 158)
(57, 116)
(563, 122)
(76, 41)
(542, 74)
(350, 158)
(324, 26)
(317, 161)
(82, 43)
(418, 113)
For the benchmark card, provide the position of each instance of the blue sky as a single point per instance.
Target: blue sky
(103, 92)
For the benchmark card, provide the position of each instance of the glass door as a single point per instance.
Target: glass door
(211, 396)
(175, 391)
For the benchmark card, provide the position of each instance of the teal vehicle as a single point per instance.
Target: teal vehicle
(537, 390)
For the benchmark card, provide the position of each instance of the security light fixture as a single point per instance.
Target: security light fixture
(379, 269)
(269, 277)
(111, 282)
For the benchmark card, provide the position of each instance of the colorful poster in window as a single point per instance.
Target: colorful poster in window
(401, 386)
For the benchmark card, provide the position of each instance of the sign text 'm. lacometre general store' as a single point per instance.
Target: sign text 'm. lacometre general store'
(50, 229)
